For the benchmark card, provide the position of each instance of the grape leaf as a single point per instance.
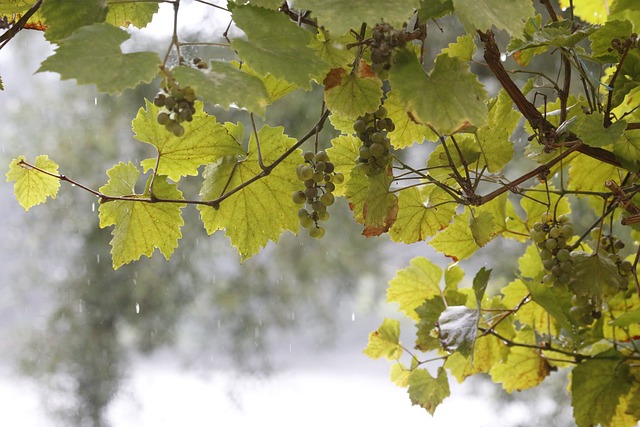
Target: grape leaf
(592, 132)
(352, 94)
(339, 16)
(601, 40)
(482, 227)
(535, 204)
(276, 88)
(276, 45)
(400, 374)
(627, 150)
(524, 367)
(343, 155)
(588, 174)
(487, 352)
(554, 34)
(415, 284)
(427, 391)
(406, 132)
(204, 141)
(480, 282)
(531, 313)
(626, 9)
(332, 50)
(429, 313)
(593, 12)
(92, 55)
(463, 48)
(32, 187)
(456, 241)
(140, 227)
(433, 9)
(484, 14)
(449, 99)
(63, 17)
(421, 214)
(261, 211)
(603, 379)
(555, 301)
(385, 341)
(371, 202)
(596, 275)
(458, 326)
(124, 13)
(223, 84)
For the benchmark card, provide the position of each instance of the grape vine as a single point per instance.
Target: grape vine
(426, 146)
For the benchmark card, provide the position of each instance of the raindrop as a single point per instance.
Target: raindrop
(564, 9)
(353, 317)
(290, 348)
(98, 258)
(137, 308)
(219, 324)
(135, 282)
(503, 57)
(95, 101)
(93, 207)
(80, 307)
(293, 316)
(73, 185)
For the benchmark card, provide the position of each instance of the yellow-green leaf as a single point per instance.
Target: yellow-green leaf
(407, 131)
(385, 341)
(372, 203)
(352, 94)
(204, 141)
(427, 391)
(140, 227)
(456, 241)
(415, 284)
(260, 212)
(343, 155)
(32, 187)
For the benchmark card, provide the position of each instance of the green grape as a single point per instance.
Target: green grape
(302, 213)
(305, 172)
(318, 206)
(555, 232)
(163, 118)
(359, 125)
(159, 100)
(323, 216)
(322, 156)
(546, 217)
(311, 192)
(321, 166)
(567, 230)
(364, 168)
(338, 178)
(566, 266)
(309, 183)
(551, 244)
(329, 187)
(618, 244)
(555, 270)
(330, 167)
(178, 130)
(548, 279)
(299, 197)
(318, 176)
(189, 94)
(364, 152)
(170, 102)
(625, 267)
(377, 138)
(548, 264)
(537, 226)
(327, 199)
(582, 314)
(537, 236)
(545, 254)
(376, 149)
(306, 222)
(381, 113)
(316, 232)
(563, 255)
(309, 156)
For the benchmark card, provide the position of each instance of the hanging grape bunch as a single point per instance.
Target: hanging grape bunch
(319, 178)
(176, 106)
(612, 246)
(384, 38)
(551, 236)
(374, 156)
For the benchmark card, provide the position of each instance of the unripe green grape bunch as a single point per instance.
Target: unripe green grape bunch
(384, 38)
(612, 246)
(176, 106)
(374, 156)
(551, 236)
(320, 178)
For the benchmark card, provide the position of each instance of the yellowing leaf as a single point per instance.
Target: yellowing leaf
(140, 227)
(589, 174)
(32, 187)
(603, 380)
(530, 314)
(343, 155)
(415, 284)
(450, 98)
(400, 375)
(456, 241)
(421, 214)
(535, 204)
(427, 391)
(261, 211)
(463, 48)
(592, 131)
(385, 341)
(591, 11)
(204, 141)
(524, 367)
(429, 313)
(484, 14)
(124, 13)
(92, 54)
(352, 94)
(482, 228)
(371, 201)
(406, 132)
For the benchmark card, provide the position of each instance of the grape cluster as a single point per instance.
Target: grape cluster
(384, 38)
(177, 106)
(612, 245)
(585, 309)
(621, 45)
(320, 179)
(374, 156)
(551, 236)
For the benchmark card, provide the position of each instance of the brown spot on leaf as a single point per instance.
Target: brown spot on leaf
(366, 71)
(385, 225)
(334, 78)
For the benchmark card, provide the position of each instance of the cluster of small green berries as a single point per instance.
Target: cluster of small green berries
(320, 179)
(612, 245)
(177, 106)
(551, 236)
(384, 38)
(585, 309)
(374, 156)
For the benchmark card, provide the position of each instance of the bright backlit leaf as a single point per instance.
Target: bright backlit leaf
(407, 131)
(415, 284)
(352, 94)
(450, 98)
(32, 187)
(592, 132)
(92, 55)
(140, 227)
(456, 241)
(593, 12)
(385, 341)
(343, 155)
(205, 141)
(260, 212)
(124, 13)
(484, 14)
(371, 202)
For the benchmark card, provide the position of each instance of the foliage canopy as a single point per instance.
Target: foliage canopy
(575, 301)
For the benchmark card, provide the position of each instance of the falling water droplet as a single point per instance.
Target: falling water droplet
(353, 317)
(80, 307)
(98, 258)
(95, 101)
(293, 316)
(503, 57)
(290, 348)
(137, 308)
(93, 207)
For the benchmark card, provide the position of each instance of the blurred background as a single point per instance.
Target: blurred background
(202, 339)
